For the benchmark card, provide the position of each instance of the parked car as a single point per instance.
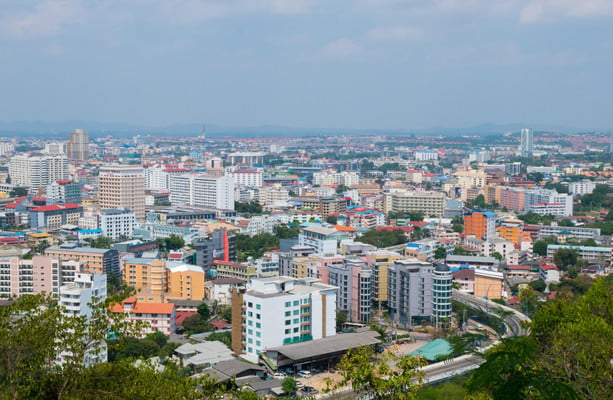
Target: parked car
(304, 374)
(279, 375)
(310, 390)
(299, 385)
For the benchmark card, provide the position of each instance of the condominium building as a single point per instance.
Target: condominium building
(122, 187)
(592, 253)
(354, 281)
(428, 203)
(79, 299)
(272, 312)
(582, 187)
(116, 223)
(64, 191)
(155, 317)
(97, 261)
(157, 176)
(324, 240)
(482, 224)
(442, 285)
(37, 171)
(247, 177)
(380, 262)
(410, 291)
(527, 143)
(200, 190)
(77, 147)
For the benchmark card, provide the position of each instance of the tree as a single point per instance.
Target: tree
(224, 337)
(340, 189)
(174, 242)
(564, 258)
(331, 219)
(289, 385)
(101, 242)
(226, 314)
(440, 253)
(376, 379)
(383, 238)
(341, 319)
(195, 324)
(540, 246)
(497, 256)
(19, 192)
(283, 231)
(204, 311)
(538, 285)
(528, 299)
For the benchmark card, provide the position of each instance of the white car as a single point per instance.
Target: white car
(304, 374)
(279, 375)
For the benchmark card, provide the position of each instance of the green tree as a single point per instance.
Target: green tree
(101, 242)
(204, 311)
(19, 192)
(289, 385)
(224, 337)
(283, 231)
(564, 258)
(497, 256)
(374, 377)
(383, 238)
(174, 242)
(331, 219)
(195, 324)
(538, 285)
(540, 246)
(341, 319)
(440, 253)
(226, 314)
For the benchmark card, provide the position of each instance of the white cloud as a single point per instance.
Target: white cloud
(552, 10)
(394, 34)
(47, 18)
(341, 48)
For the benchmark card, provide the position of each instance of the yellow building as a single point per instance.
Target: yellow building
(185, 282)
(380, 261)
(488, 284)
(145, 274)
(230, 269)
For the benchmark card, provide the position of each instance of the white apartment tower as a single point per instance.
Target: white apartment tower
(527, 143)
(37, 171)
(200, 190)
(122, 187)
(281, 310)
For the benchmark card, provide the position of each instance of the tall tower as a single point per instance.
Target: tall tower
(77, 147)
(123, 187)
(611, 144)
(527, 143)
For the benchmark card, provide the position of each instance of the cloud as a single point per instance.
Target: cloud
(47, 18)
(551, 10)
(394, 34)
(341, 48)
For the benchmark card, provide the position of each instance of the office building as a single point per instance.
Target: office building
(481, 224)
(77, 147)
(122, 187)
(37, 171)
(527, 143)
(272, 312)
(117, 223)
(53, 217)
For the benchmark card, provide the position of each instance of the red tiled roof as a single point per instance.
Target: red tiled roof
(56, 207)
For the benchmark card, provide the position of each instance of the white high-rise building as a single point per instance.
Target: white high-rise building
(78, 299)
(122, 187)
(115, 223)
(202, 191)
(247, 177)
(282, 310)
(527, 143)
(37, 171)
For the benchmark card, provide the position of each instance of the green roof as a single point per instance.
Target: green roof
(434, 349)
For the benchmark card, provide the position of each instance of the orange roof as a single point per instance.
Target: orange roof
(143, 308)
(342, 228)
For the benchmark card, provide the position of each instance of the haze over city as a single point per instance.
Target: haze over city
(386, 64)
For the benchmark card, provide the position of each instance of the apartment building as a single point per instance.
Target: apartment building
(410, 290)
(354, 281)
(54, 216)
(271, 312)
(156, 317)
(122, 187)
(481, 224)
(63, 191)
(201, 190)
(97, 261)
(37, 171)
(116, 223)
(428, 203)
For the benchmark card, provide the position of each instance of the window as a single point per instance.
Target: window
(296, 312)
(288, 304)
(288, 322)
(250, 304)
(296, 330)
(296, 303)
(288, 313)
(258, 306)
(296, 320)
(258, 325)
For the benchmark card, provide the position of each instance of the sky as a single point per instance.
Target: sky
(389, 64)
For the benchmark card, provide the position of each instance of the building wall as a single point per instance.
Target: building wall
(188, 285)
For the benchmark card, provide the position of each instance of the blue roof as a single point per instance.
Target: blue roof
(98, 230)
(434, 349)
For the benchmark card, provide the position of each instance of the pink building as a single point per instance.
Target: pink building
(41, 274)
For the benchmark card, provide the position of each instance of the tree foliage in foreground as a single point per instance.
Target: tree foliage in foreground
(376, 379)
(33, 332)
(566, 355)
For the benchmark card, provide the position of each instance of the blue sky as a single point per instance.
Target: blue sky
(308, 63)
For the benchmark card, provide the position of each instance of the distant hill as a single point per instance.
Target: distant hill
(61, 129)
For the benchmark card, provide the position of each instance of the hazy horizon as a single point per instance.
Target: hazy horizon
(309, 64)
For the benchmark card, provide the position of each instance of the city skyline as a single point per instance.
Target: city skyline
(389, 64)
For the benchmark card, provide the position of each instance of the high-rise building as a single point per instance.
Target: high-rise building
(64, 191)
(116, 223)
(77, 147)
(215, 192)
(527, 143)
(353, 279)
(441, 294)
(122, 187)
(482, 224)
(272, 312)
(37, 171)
